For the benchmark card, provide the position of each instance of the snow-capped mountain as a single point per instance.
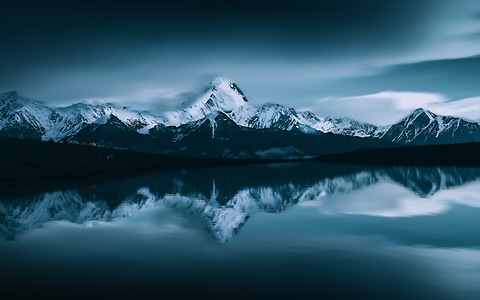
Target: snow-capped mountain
(343, 126)
(225, 96)
(424, 127)
(221, 121)
(22, 117)
(27, 118)
(100, 113)
(274, 116)
(220, 95)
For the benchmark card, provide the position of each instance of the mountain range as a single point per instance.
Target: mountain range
(222, 122)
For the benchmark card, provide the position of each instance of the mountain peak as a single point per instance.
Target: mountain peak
(420, 111)
(228, 88)
(220, 95)
(219, 81)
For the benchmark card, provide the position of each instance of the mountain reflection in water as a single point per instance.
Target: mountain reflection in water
(225, 198)
(281, 231)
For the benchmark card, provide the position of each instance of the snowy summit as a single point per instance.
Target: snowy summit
(220, 95)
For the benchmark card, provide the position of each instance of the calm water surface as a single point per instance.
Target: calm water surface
(304, 230)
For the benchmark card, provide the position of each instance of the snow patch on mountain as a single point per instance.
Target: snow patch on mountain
(146, 129)
(271, 115)
(213, 123)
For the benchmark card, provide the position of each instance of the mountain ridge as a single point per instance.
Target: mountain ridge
(31, 119)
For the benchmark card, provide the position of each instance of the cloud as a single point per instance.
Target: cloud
(387, 107)
(456, 78)
(382, 108)
(102, 40)
(402, 100)
(468, 108)
(397, 202)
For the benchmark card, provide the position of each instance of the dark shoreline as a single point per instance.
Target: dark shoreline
(27, 166)
(464, 154)
(30, 160)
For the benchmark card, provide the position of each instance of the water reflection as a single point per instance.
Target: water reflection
(293, 231)
(225, 198)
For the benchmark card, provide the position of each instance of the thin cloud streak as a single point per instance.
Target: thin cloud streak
(388, 107)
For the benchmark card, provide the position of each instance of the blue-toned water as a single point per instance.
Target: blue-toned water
(306, 230)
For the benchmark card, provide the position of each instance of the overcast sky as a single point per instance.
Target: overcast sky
(372, 60)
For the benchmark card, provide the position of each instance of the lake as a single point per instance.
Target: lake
(291, 230)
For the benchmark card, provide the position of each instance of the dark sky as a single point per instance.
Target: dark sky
(154, 54)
